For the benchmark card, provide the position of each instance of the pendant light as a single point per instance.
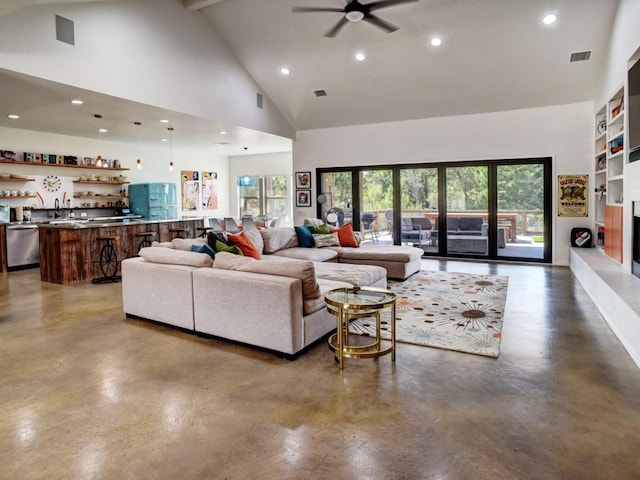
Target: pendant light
(170, 148)
(138, 161)
(246, 180)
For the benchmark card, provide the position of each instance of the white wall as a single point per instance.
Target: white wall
(260, 165)
(563, 132)
(150, 51)
(625, 42)
(155, 162)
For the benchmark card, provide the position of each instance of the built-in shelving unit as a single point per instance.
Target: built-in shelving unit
(609, 156)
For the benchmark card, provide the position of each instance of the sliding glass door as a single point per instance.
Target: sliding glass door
(494, 209)
(467, 210)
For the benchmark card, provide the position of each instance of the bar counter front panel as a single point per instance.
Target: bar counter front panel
(69, 253)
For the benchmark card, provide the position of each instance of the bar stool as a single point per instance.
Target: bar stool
(203, 231)
(146, 238)
(178, 231)
(108, 260)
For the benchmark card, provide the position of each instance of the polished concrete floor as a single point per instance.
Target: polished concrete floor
(89, 394)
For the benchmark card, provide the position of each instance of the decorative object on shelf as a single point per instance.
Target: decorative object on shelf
(602, 125)
(303, 179)
(52, 183)
(8, 155)
(303, 198)
(572, 195)
(617, 144)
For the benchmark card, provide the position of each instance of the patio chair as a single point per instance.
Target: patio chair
(414, 235)
(368, 219)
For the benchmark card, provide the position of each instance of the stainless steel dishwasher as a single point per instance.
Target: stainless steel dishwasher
(23, 247)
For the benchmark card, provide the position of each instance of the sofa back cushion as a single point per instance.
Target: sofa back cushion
(175, 257)
(278, 238)
(300, 269)
(255, 236)
(185, 244)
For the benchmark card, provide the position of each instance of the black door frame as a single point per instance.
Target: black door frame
(492, 201)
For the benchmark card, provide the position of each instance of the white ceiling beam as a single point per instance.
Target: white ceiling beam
(194, 5)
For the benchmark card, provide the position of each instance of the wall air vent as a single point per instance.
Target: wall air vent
(580, 56)
(64, 30)
(320, 93)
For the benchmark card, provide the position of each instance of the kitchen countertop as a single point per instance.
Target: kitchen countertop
(73, 223)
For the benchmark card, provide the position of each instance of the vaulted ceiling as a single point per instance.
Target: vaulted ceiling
(495, 55)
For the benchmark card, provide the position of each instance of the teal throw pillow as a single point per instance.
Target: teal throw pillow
(221, 247)
(305, 237)
(204, 249)
(324, 228)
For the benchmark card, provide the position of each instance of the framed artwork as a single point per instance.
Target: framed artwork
(573, 195)
(190, 181)
(303, 179)
(303, 198)
(209, 190)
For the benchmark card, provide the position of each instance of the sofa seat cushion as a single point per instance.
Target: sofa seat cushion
(185, 244)
(175, 257)
(356, 275)
(312, 254)
(300, 269)
(391, 253)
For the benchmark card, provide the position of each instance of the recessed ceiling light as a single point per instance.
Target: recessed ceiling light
(13, 116)
(436, 42)
(223, 132)
(77, 101)
(360, 57)
(285, 71)
(549, 19)
(103, 130)
(164, 140)
(164, 121)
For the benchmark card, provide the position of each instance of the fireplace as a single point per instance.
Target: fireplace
(635, 265)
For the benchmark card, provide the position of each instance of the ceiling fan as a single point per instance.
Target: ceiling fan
(356, 11)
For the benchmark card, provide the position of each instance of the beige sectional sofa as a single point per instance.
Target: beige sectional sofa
(275, 303)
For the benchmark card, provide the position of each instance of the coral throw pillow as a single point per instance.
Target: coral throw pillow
(346, 236)
(244, 244)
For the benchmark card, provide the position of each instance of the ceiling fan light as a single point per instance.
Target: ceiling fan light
(354, 16)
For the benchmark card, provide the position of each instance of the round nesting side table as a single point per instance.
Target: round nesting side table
(360, 302)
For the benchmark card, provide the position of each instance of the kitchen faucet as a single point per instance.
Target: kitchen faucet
(57, 206)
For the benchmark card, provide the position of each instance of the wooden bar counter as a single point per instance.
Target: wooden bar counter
(69, 252)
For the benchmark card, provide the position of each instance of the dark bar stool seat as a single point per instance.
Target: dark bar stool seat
(178, 231)
(146, 238)
(202, 231)
(108, 260)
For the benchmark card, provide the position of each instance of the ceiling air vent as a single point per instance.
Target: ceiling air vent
(320, 93)
(580, 56)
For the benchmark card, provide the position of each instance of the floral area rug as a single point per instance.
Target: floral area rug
(454, 311)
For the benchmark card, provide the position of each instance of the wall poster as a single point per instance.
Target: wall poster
(190, 189)
(573, 195)
(209, 190)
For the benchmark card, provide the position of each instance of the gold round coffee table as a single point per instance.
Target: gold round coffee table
(360, 302)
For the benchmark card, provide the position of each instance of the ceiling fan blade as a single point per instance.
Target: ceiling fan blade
(378, 22)
(387, 3)
(316, 9)
(337, 27)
